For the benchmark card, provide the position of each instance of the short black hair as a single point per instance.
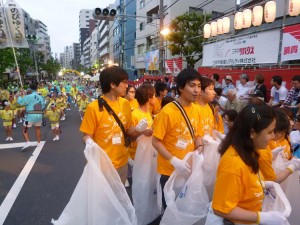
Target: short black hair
(160, 86)
(186, 75)
(277, 79)
(112, 75)
(216, 76)
(33, 86)
(296, 78)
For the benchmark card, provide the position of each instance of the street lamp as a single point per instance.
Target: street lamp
(165, 32)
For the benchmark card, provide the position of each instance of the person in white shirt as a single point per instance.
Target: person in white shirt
(243, 90)
(278, 92)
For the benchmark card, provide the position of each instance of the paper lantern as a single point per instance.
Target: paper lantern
(257, 16)
(214, 29)
(247, 18)
(238, 21)
(226, 25)
(220, 26)
(294, 7)
(270, 11)
(206, 31)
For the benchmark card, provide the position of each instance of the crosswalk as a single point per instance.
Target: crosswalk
(17, 186)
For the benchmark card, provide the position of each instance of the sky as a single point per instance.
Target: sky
(61, 18)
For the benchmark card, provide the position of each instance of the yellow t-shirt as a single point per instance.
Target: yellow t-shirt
(208, 121)
(73, 91)
(265, 164)
(170, 127)
(137, 116)
(134, 104)
(236, 185)
(104, 128)
(156, 107)
(219, 126)
(83, 104)
(6, 115)
(60, 102)
(53, 115)
(282, 143)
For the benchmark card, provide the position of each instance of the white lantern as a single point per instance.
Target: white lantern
(294, 7)
(220, 26)
(270, 11)
(238, 21)
(206, 31)
(257, 16)
(214, 29)
(226, 25)
(247, 18)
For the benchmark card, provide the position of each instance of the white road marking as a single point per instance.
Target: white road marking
(17, 186)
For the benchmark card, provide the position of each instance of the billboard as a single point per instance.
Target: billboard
(152, 60)
(256, 48)
(290, 43)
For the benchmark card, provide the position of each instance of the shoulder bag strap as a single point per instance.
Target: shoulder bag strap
(101, 103)
(185, 118)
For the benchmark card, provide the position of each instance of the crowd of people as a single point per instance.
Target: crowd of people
(178, 114)
(41, 101)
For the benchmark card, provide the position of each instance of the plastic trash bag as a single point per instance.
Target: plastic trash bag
(186, 198)
(292, 192)
(100, 196)
(211, 163)
(147, 198)
(275, 200)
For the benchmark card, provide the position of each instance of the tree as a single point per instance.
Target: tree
(186, 37)
(52, 67)
(25, 61)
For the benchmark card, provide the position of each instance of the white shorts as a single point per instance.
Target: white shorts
(30, 124)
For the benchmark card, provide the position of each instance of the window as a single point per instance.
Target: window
(142, 4)
(142, 26)
(141, 49)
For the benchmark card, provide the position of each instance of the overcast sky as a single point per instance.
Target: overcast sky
(61, 18)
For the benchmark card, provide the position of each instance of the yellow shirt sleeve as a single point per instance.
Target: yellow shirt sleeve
(236, 185)
(265, 164)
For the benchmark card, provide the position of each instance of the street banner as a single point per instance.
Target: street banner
(177, 65)
(169, 65)
(290, 43)
(249, 49)
(152, 60)
(12, 32)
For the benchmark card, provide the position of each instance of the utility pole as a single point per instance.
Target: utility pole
(122, 33)
(161, 38)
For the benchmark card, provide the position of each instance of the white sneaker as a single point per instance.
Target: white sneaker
(14, 126)
(7, 139)
(20, 121)
(11, 139)
(26, 146)
(55, 138)
(127, 183)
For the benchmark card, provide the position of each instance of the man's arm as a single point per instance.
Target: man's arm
(159, 146)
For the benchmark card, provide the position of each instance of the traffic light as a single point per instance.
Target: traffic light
(32, 37)
(104, 14)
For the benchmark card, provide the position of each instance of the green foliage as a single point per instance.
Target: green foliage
(186, 37)
(25, 60)
(6, 59)
(52, 67)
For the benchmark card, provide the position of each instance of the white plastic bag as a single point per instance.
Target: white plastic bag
(146, 195)
(186, 198)
(99, 197)
(292, 192)
(211, 163)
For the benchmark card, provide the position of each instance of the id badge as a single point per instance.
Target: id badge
(181, 143)
(116, 139)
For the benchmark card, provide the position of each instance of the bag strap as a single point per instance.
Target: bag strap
(188, 123)
(101, 103)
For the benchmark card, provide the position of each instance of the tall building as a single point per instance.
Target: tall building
(76, 60)
(43, 43)
(85, 15)
(68, 57)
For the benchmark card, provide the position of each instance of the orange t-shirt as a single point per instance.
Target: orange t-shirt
(282, 143)
(170, 127)
(236, 185)
(105, 130)
(265, 164)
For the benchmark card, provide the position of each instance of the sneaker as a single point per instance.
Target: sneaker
(14, 126)
(55, 138)
(11, 139)
(127, 183)
(26, 146)
(20, 121)
(7, 139)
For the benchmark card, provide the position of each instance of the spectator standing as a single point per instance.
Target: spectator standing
(215, 78)
(260, 85)
(228, 85)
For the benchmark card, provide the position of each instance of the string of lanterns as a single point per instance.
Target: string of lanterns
(249, 17)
